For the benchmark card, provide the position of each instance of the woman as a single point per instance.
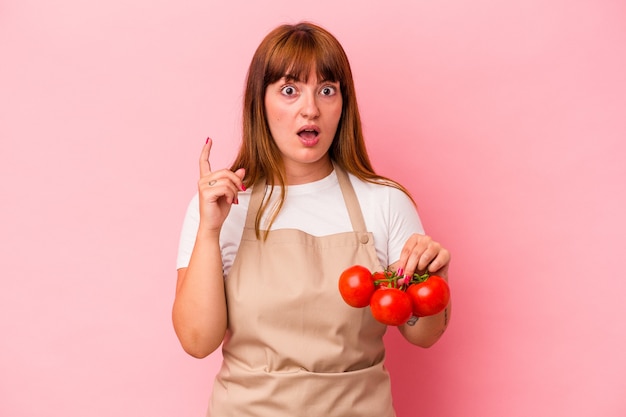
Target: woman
(264, 242)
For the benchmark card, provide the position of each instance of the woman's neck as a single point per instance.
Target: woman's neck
(297, 174)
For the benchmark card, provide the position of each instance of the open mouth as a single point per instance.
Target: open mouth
(309, 133)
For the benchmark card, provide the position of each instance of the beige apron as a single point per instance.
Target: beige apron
(293, 347)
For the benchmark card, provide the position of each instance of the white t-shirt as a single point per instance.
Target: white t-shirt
(318, 208)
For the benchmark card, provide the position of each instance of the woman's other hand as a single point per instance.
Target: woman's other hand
(422, 254)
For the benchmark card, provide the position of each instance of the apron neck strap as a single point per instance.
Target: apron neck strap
(352, 202)
(256, 199)
(349, 196)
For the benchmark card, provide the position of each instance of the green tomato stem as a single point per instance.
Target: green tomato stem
(393, 277)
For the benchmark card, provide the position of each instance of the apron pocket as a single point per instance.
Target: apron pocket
(364, 393)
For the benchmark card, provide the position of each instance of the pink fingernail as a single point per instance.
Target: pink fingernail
(243, 187)
(207, 140)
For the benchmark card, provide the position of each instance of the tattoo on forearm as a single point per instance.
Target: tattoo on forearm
(445, 322)
(412, 321)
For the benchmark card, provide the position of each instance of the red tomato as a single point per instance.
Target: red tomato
(391, 306)
(429, 297)
(356, 286)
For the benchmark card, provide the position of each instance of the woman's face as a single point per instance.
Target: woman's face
(303, 119)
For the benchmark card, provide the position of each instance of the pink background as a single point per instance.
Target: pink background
(507, 120)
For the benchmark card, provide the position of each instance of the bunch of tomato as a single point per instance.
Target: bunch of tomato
(393, 297)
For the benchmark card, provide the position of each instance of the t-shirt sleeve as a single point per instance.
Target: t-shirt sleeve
(188, 233)
(404, 221)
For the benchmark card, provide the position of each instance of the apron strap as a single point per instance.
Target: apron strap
(352, 202)
(349, 196)
(256, 198)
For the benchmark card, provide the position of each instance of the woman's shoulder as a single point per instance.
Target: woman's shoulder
(377, 189)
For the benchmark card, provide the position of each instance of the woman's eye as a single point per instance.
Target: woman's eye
(288, 90)
(329, 90)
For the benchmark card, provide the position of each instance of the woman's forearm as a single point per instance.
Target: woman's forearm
(199, 311)
(427, 330)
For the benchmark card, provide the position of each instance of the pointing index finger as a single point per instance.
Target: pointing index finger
(205, 166)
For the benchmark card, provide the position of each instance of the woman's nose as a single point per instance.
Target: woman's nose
(310, 109)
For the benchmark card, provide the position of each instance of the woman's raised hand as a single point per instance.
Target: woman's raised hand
(217, 191)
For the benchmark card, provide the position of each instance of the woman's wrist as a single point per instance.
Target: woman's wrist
(207, 233)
